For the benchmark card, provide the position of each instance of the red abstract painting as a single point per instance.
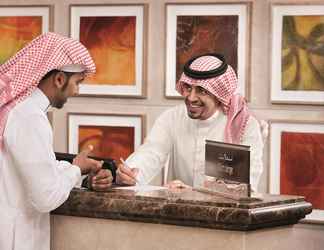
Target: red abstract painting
(302, 166)
(16, 32)
(111, 41)
(108, 141)
(205, 34)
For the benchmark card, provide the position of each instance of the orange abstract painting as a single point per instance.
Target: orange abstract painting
(108, 141)
(16, 32)
(206, 34)
(111, 41)
(302, 166)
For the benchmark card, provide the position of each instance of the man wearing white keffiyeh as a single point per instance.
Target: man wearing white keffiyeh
(212, 110)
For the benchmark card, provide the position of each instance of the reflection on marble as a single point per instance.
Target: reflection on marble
(187, 208)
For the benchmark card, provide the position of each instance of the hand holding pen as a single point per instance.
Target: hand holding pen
(126, 175)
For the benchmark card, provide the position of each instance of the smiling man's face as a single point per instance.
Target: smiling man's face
(199, 102)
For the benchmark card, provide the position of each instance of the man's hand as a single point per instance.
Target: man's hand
(86, 164)
(101, 181)
(177, 184)
(126, 175)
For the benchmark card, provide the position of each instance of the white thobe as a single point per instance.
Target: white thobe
(176, 135)
(32, 182)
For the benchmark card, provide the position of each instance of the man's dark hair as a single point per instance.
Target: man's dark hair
(54, 72)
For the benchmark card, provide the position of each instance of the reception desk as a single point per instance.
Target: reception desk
(181, 219)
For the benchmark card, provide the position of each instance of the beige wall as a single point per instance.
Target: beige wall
(94, 233)
(155, 102)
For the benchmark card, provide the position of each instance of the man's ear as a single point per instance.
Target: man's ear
(59, 80)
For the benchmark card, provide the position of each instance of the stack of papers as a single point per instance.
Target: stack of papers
(142, 188)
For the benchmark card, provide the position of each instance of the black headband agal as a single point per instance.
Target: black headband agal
(205, 74)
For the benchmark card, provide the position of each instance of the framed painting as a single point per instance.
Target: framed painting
(194, 29)
(21, 24)
(297, 75)
(116, 38)
(112, 135)
(297, 162)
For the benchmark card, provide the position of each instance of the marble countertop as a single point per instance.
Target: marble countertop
(186, 208)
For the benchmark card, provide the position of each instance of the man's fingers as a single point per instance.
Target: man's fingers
(126, 175)
(127, 171)
(95, 165)
(177, 184)
(103, 173)
(125, 179)
(86, 152)
(135, 171)
(102, 176)
(100, 164)
(103, 181)
(101, 187)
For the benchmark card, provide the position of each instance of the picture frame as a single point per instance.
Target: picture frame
(15, 20)
(188, 23)
(112, 135)
(296, 163)
(297, 54)
(116, 36)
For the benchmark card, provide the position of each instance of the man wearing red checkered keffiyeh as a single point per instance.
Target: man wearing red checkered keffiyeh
(44, 73)
(222, 87)
(212, 110)
(21, 74)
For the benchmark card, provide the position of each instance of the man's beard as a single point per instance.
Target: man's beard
(60, 101)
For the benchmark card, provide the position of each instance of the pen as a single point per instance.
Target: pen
(125, 164)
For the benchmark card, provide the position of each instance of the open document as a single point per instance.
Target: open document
(142, 188)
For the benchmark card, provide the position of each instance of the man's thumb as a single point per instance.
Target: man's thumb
(97, 165)
(85, 152)
(135, 171)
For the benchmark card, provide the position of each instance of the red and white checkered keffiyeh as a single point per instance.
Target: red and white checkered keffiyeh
(223, 87)
(20, 75)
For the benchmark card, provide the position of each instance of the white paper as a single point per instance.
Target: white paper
(142, 188)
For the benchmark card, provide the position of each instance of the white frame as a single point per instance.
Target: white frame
(276, 127)
(33, 10)
(217, 9)
(44, 11)
(126, 120)
(277, 94)
(77, 11)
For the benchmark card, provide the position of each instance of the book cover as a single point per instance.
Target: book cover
(228, 162)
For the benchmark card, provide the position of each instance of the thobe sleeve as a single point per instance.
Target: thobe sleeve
(48, 184)
(65, 166)
(151, 156)
(253, 138)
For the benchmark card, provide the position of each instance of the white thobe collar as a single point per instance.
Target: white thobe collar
(210, 120)
(41, 100)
